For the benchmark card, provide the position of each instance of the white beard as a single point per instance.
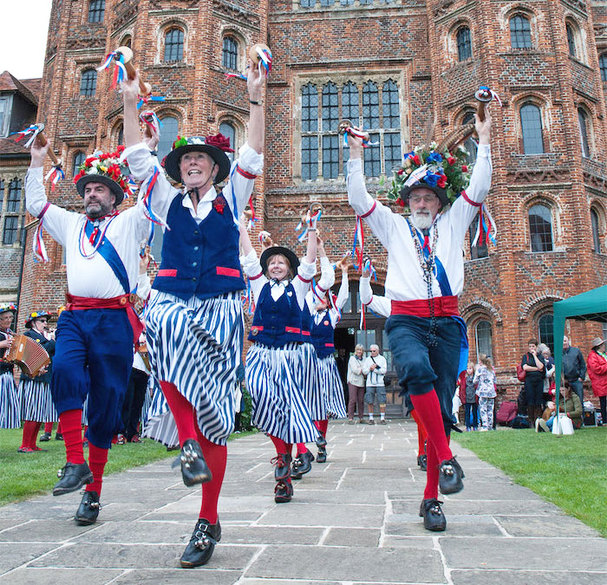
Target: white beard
(421, 220)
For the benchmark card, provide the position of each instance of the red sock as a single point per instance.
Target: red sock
(71, 423)
(322, 426)
(281, 446)
(421, 434)
(97, 461)
(431, 490)
(429, 412)
(26, 435)
(34, 435)
(216, 457)
(301, 448)
(48, 428)
(183, 413)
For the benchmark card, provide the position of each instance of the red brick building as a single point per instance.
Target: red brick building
(407, 71)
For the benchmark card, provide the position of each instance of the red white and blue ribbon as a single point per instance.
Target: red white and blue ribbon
(368, 266)
(358, 245)
(33, 130)
(120, 73)
(151, 120)
(265, 59)
(149, 98)
(483, 89)
(148, 209)
(55, 175)
(236, 75)
(304, 225)
(353, 132)
(253, 217)
(486, 230)
(96, 238)
(262, 236)
(38, 246)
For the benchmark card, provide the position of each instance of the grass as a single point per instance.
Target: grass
(569, 471)
(23, 475)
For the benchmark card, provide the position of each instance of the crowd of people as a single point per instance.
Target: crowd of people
(194, 326)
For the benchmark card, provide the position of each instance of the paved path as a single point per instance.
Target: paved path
(353, 520)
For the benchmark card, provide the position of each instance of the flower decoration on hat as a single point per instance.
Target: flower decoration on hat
(425, 166)
(11, 307)
(35, 315)
(105, 166)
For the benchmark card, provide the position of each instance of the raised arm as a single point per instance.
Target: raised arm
(256, 82)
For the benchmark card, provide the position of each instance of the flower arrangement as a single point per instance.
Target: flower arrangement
(425, 164)
(109, 165)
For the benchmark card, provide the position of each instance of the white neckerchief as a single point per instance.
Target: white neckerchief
(277, 289)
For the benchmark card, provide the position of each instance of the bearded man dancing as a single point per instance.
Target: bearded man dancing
(425, 275)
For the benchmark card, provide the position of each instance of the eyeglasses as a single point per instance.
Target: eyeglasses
(427, 198)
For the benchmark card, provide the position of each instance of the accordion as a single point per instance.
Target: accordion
(29, 355)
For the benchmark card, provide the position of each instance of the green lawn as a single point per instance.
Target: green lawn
(570, 471)
(23, 475)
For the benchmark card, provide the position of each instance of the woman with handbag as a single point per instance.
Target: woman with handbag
(533, 364)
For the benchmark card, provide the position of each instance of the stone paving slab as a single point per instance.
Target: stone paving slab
(353, 521)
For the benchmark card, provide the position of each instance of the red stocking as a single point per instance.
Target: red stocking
(301, 448)
(183, 413)
(429, 412)
(97, 461)
(431, 490)
(281, 446)
(421, 434)
(216, 457)
(71, 425)
(322, 426)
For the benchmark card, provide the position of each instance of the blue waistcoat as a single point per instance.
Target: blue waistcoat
(322, 336)
(200, 259)
(276, 323)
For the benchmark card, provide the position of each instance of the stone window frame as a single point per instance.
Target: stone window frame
(551, 207)
(603, 65)
(340, 79)
(480, 314)
(76, 155)
(169, 112)
(96, 9)
(544, 310)
(239, 126)
(530, 17)
(587, 141)
(598, 229)
(531, 99)
(81, 86)
(163, 29)
(239, 42)
(575, 35)
(18, 215)
(460, 28)
(117, 129)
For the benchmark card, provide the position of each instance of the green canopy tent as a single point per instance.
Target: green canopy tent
(588, 306)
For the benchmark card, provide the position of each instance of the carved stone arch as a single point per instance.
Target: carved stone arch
(538, 302)
(481, 306)
(243, 40)
(163, 27)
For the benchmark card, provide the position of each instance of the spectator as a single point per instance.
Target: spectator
(534, 365)
(375, 367)
(356, 384)
(597, 372)
(484, 378)
(544, 350)
(469, 395)
(574, 368)
(570, 404)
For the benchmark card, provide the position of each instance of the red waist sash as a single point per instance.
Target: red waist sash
(443, 307)
(122, 302)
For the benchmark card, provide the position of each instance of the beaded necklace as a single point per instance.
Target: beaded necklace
(95, 223)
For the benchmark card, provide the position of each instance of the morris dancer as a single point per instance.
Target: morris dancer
(425, 275)
(194, 320)
(36, 400)
(95, 332)
(10, 415)
(279, 283)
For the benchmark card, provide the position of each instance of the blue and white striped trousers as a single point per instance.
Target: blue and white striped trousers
(10, 408)
(273, 378)
(196, 345)
(310, 383)
(37, 401)
(331, 387)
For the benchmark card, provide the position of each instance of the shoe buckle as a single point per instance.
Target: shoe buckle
(188, 456)
(448, 469)
(61, 473)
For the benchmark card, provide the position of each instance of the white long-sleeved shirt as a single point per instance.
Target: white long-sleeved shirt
(236, 192)
(89, 277)
(257, 279)
(375, 377)
(404, 279)
(377, 303)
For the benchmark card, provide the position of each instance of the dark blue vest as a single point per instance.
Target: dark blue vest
(200, 259)
(307, 322)
(322, 337)
(276, 323)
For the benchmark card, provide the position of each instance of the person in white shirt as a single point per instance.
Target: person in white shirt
(356, 385)
(424, 277)
(375, 368)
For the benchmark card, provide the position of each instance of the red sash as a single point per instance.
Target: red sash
(443, 307)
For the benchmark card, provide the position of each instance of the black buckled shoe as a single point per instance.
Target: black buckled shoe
(432, 513)
(302, 464)
(321, 456)
(44, 437)
(321, 442)
(282, 466)
(194, 468)
(202, 544)
(72, 476)
(88, 510)
(283, 492)
(422, 461)
(450, 476)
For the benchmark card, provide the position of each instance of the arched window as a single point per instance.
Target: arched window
(470, 144)
(540, 228)
(96, 10)
(173, 45)
(464, 44)
(88, 83)
(120, 135)
(168, 135)
(582, 118)
(545, 332)
(229, 55)
(595, 222)
(571, 40)
(520, 32)
(484, 338)
(79, 158)
(531, 126)
(603, 66)
(309, 123)
(229, 131)
(479, 250)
